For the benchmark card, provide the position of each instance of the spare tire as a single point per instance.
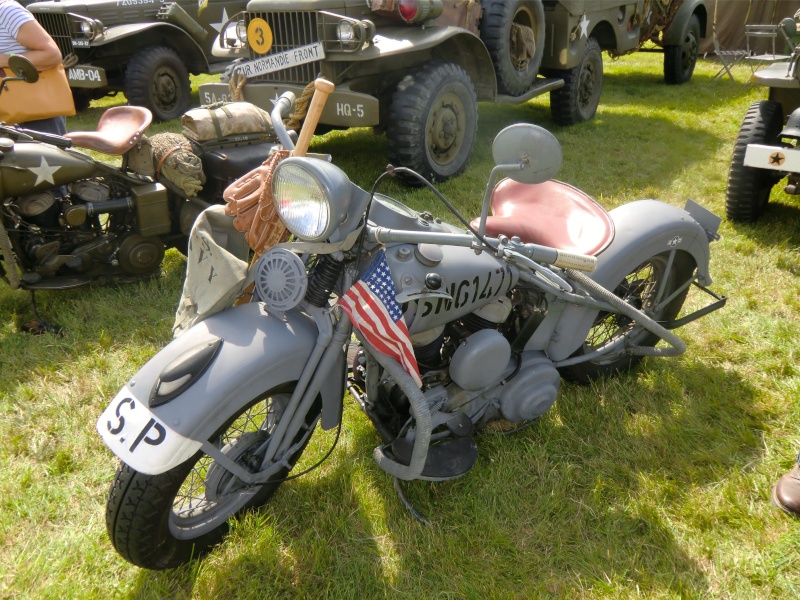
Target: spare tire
(513, 33)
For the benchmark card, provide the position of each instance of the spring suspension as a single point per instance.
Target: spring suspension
(321, 280)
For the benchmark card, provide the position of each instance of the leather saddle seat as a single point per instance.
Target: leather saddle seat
(552, 213)
(117, 131)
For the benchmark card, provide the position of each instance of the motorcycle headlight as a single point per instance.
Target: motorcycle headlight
(311, 196)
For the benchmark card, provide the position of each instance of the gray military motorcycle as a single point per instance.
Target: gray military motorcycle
(456, 327)
(70, 220)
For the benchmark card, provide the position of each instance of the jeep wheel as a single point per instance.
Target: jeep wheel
(513, 32)
(156, 78)
(748, 190)
(679, 61)
(577, 101)
(433, 119)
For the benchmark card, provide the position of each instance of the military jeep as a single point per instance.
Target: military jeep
(415, 69)
(144, 48)
(766, 149)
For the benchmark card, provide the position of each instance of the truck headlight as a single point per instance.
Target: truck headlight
(90, 28)
(311, 196)
(241, 31)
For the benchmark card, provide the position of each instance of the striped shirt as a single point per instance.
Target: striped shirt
(12, 16)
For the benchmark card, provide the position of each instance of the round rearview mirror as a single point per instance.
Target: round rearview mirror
(23, 68)
(533, 147)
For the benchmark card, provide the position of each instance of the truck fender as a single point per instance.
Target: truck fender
(642, 229)
(676, 32)
(253, 352)
(451, 43)
(177, 37)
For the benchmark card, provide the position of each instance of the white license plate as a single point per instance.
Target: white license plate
(81, 76)
(277, 61)
(137, 436)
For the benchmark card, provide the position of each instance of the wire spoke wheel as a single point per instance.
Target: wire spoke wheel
(210, 493)
(651, 287)
(162, 521)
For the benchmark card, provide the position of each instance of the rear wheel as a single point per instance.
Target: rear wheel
(433, 120)
(156, 78)
(645, 287)
(749, 188)
(578, 100)
(162, 521)
(679, 61)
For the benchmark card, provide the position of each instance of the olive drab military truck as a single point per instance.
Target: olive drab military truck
(144, 48)
(416, 69)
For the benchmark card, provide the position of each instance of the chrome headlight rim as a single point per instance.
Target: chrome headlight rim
(311, 191)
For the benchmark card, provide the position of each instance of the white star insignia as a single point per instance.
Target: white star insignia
(584, 25)
(275, 99)
(44, 172)
(218, 26)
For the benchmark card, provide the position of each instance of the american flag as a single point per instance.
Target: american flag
(372, 308)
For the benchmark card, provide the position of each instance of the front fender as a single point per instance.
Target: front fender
(643, 229)
(258, 352)
(676, 32)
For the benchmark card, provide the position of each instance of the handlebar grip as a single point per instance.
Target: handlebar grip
(573, 260)
(323, 88)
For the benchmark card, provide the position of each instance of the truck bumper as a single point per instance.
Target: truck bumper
(344, 108)
(85, 76)
(775, 158)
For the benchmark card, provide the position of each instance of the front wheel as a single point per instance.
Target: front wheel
(645, 288)
(433, 121)
(679, 61)
(157, 78)
(749, 188)
(162, 521)
(578, 100)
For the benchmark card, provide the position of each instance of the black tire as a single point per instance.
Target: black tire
(143, 516)
(748, 189)
(679, 61)
(81, 99)
(433, 119)
(578, 100)
(515, 70)
(638, 288)
(156, 78)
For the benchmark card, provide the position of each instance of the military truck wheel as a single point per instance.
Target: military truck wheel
(679, 61)
(433, 119)
(577, 101)
(513, 33)
(748, 189)
(156, 78)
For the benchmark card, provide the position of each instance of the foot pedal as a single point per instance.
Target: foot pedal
(460, 425)
(447, 459)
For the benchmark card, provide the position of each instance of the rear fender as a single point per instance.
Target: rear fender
(643, 229)
(676, 32)
(258, 352)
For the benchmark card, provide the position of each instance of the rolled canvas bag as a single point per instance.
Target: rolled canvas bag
(49, 97)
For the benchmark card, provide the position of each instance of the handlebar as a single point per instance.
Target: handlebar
(27, 135)
(536, 252)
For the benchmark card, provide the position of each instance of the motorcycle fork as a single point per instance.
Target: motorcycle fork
(280, 445)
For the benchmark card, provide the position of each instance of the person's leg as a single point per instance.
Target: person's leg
(57, 125)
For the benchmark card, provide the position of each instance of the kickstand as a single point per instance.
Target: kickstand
(39, 326)
(407, 504)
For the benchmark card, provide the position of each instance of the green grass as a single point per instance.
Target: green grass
(654, 484)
